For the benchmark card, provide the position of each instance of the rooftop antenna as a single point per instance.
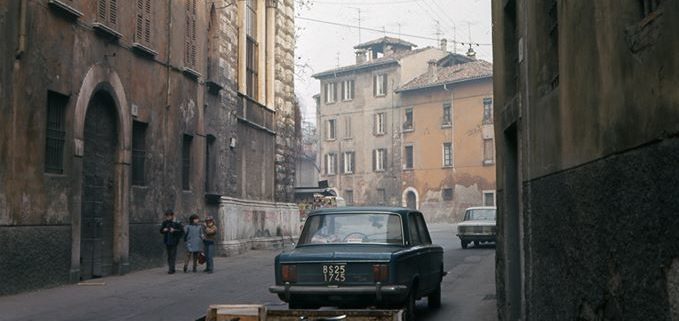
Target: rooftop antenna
(438, 32)
(359, 22)
(454, 38)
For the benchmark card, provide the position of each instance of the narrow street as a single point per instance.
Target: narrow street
(468, 290)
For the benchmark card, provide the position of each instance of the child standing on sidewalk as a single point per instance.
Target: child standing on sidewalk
(193, 240)
(210, 231)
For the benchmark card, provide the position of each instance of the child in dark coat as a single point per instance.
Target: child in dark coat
(172, 231)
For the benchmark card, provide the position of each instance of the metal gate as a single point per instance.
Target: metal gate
(96, 238)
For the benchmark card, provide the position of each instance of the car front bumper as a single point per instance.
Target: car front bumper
(378, 291)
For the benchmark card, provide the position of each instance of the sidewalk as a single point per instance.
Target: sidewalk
(151, 294)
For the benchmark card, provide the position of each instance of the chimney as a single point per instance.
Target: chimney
(471, 53)
(360, 56)
(444, 45)
(433, 69)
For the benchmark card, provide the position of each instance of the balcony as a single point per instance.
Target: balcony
(255, 114)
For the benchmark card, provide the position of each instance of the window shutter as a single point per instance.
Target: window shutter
(353, 87)
(342, 168)
(336, 164)
(384, 159)
(375, 124)
(384, 83)
(353, 162)
(113, 13)
(375, 85)
(343, 83)
(326, 164)
(101, 11)
(334, 91)
(374, 160)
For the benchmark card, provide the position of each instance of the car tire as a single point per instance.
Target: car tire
(409, 308)
(434, 298)
(464, 244)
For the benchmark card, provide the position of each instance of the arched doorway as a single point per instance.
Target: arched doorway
(100, 146)
(411, 200)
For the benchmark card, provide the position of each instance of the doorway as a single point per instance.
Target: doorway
(411, 200)
(98, 181)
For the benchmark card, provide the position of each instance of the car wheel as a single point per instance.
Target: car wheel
(409, 309)
(464, 244)
(434, 298)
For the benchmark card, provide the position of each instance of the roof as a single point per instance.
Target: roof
(386, 60)
(383, 41)
(361, 209)
(477, 69)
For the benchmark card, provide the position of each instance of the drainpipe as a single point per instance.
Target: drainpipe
(22, 30)
(169, 90)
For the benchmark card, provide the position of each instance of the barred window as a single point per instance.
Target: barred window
(55, 133)
(409, 157)
(138, 153)
(447, 154)
(447, 115)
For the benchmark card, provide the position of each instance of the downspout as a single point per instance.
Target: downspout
(22, 30)
(169, 89)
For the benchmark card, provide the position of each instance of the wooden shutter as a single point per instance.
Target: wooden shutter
(101, 11)
(384, 83)
(147, 22)
(384, 159)
(353, 87)
(113, 12)
(341, 168)
(334, 87)
(374, 159)
(375, 85)
(353, 162)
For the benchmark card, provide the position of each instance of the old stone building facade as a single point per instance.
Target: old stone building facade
(359, 151)
(113, 112)
(586, 118)
(382, 140)
(447, 138)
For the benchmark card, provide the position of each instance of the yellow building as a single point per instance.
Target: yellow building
(447, 141)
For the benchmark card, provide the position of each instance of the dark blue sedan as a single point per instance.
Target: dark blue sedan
(356, 257)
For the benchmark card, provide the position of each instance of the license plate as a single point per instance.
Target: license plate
(334, 273)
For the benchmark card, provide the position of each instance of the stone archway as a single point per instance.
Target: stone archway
(410, 198)
(102, 82)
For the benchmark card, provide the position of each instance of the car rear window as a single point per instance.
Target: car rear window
(485, 214)
(351, 228)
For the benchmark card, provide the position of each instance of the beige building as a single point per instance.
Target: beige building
(114, 111)
(586, 120)
(447, 138)
(358, 120)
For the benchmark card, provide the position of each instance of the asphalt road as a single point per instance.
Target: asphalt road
(468, 291)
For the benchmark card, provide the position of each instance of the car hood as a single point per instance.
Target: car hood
(340, 252)
(477, 223)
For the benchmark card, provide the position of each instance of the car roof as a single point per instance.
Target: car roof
(481, 208)
(362, 209)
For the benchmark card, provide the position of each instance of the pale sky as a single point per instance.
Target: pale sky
(320, 46)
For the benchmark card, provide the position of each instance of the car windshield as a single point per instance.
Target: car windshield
(379, 228)
(480, 214)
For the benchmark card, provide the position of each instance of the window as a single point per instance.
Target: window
(330, 164)
(381, 196)
(379, 126)
(422, 229)
(488, 198)
(487, 111)
(55, 133)
(409, 157)
(209, 161)
(349, 197)
(142, 32)
(138, 153)
(347, 90)
(447, 119)
(330, 93)
(252, 50)
(447, 194)
(408, 123)
(348, 162)
(330, 129)
(379, 159)
(648, 7)
(107, 13)
(380, 85)
(347, 127)
(190, 35)
(488, 152)
(186, 162)
(414, 231)
(447, 154)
